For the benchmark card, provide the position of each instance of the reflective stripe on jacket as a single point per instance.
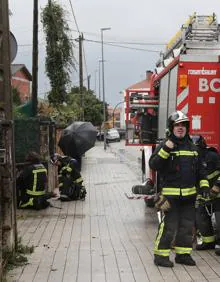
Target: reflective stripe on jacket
(69, 171)
(180, 169)
(37, 181)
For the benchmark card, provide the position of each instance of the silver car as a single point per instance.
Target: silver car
(112, 135)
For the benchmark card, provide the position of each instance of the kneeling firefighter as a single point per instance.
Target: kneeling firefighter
(210, 205)
(177, 161)
(32, 184)
(70, 180)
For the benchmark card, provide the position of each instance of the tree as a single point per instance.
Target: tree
(93, 108)
(16, 97)
(59, 51)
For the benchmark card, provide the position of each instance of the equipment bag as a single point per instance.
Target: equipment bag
(70, 193)
(41, 202)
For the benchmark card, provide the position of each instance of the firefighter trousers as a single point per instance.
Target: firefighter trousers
(176, 228)
(204, 222)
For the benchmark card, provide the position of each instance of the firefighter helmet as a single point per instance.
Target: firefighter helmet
(63, 159)
(33, 157)
(57, 157)
(199, 141)
(175, 118)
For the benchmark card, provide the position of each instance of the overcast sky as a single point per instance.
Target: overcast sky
(139, 21)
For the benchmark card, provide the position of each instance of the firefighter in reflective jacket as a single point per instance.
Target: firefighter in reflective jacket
(179, 167)
(215, 194)
(32, 184)
(206, 207)
(70, 180)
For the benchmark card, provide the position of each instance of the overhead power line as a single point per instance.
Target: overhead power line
(110, 44)
(138, 43)
(121, 46)
(74, 16)
(124, 42)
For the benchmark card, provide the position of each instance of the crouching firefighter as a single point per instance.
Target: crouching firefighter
(178, 164)
(32, 184)
(209, 205)
(70, 180)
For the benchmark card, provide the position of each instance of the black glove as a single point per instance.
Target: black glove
(205, 192)
(161, 203)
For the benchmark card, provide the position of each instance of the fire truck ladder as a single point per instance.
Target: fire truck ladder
(198, 28)
(203, 28)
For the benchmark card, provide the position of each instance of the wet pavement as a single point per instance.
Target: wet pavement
(107, 237)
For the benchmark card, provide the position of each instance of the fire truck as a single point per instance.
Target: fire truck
(186, 78)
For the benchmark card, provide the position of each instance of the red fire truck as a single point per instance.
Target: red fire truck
(186, 78)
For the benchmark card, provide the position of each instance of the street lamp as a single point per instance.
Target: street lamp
(103, 83)
(100, 80)
(113, 113)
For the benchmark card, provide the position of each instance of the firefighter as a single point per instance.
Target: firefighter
(32, 184)
(206, 207)
(178, 164)
(215, 194)
(70, 180)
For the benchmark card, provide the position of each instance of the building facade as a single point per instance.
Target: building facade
(21, 81)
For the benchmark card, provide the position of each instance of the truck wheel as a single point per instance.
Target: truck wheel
(143, 168)
(143, 177)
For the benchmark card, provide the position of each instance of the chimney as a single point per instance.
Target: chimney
(148, 75)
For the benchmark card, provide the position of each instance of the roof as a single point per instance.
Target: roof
(144, 84)
(21, 67)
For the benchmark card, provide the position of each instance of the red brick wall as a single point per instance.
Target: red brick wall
(23, 85)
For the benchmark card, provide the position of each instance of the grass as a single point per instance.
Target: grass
(18, 256)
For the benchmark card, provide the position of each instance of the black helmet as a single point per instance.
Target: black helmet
(199, 141)
(57, 157)
(33, 157)
(175, 118)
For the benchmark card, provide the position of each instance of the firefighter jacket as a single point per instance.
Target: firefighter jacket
(211, 161)
(179, 169)
(32, 183)
(218, 182)
(68, 174)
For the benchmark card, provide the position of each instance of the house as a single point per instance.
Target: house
(142, 85)
(21, 80)
(114, 116)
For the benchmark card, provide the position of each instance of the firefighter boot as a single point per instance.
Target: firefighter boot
(217, 250)
(83, 193)
(205, 246)
(185, 259)
(162, 261)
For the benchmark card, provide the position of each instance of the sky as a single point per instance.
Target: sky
(151, 24)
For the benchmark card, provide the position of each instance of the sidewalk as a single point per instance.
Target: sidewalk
(106, 238)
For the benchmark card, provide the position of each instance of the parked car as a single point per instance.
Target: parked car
(121, 132)
(112, 135)
(100, 135)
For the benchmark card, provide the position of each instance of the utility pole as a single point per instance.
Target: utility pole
(35, 59)
(80, 39)
(95, 82)
(7, 171)
(103, 85)
(88, 79)
(100, 80)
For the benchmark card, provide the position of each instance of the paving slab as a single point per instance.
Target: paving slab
(107, 237)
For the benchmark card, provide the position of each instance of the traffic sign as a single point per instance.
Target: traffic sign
(13, 45)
